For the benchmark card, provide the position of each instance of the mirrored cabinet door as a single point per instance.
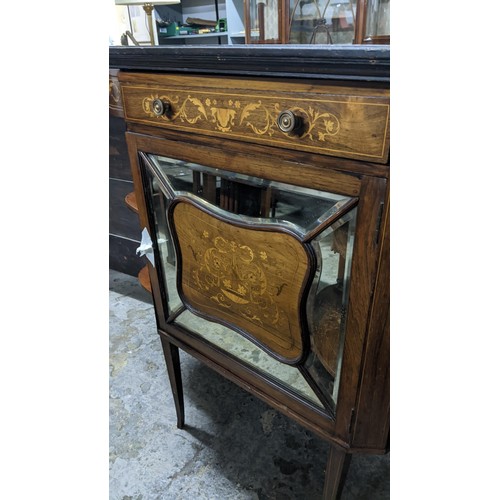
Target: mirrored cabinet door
(257, 268)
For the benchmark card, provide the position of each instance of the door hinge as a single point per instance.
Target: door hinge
(351, 423)
(379, 222)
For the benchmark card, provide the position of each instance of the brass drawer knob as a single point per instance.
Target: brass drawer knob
(288, 122)
(160, 108)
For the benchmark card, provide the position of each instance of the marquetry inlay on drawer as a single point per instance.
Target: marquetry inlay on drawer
(336, 121)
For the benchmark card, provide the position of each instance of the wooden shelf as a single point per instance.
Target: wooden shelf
(203, 35)
(166, 40)
(144, 279)
(131, 202)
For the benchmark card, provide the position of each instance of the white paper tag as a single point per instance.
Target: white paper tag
(146, 247)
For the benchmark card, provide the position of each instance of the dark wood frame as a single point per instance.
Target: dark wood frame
(360, 27)
(362, 417)
(363, 64)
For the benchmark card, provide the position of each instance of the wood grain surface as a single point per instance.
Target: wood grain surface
(336, 121)
(250, 279)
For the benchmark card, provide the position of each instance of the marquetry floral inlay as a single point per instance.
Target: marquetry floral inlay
(230, 115)
(249, 278)
(237, 277)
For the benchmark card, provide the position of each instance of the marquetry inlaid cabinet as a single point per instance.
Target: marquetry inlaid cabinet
(262, 180)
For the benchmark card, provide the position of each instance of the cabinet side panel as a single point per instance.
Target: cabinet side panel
(123, 223)
(363, 277)
(119, 164)
(372, 421)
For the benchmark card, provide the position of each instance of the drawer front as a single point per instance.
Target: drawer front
(343, 125)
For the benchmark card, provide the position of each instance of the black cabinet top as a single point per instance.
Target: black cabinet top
(370, 63)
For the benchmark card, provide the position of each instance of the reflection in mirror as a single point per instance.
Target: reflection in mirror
(377, 19)
(322, 21)
(301, 209)
(327, 304)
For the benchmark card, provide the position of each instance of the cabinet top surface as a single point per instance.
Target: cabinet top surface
(332, 62)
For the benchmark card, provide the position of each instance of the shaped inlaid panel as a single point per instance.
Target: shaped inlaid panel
(243, 276)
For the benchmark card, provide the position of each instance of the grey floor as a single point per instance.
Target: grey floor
(233, 447)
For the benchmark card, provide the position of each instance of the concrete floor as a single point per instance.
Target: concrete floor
(233, 447)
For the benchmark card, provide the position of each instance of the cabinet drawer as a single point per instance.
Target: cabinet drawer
(335, 121)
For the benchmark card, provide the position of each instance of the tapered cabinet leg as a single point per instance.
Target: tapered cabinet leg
(171, 353)
(336, 473)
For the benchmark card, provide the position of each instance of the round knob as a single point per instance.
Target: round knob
(288, 122)
(160, 107)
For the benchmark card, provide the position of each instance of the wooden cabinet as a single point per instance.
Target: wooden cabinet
(124, 227)
(266, 197)
(317, 21)
(372, 22)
